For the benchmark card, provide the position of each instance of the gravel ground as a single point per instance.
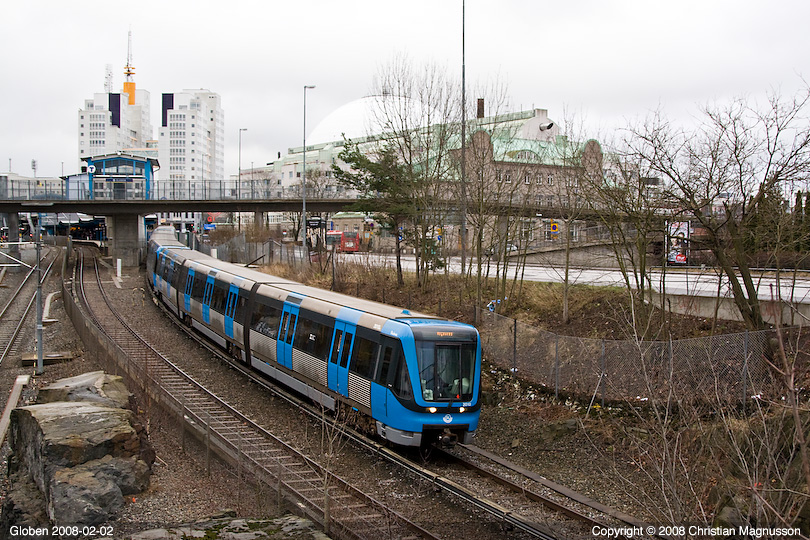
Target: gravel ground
(536, 436)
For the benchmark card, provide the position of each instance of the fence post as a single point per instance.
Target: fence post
(602, 374)
(745, 370)
(514, 347)
(556, 365)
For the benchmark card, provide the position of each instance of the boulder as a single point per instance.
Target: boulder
(80, 457)
(80, 497)
(64, 434)
(95, 387)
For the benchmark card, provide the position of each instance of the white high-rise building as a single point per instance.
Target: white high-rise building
(191, 143)
(114, 122)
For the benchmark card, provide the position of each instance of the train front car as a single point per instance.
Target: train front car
(436, 387)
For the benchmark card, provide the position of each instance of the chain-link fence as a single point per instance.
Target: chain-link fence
(728, 367)
(238, 250)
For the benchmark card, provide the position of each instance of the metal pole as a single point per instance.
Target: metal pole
(463, 141)
(304, 177)
(40, 362)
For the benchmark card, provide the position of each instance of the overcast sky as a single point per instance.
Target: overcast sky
(607, 60)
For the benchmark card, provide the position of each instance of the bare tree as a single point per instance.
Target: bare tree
(720, 175)
(417, 112)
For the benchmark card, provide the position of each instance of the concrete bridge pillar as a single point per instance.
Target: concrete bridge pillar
(127, 238)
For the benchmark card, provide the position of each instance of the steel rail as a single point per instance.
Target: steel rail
(250, 445)
(437, 480)
(12, 338)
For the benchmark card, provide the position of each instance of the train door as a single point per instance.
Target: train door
(206, 308)
(289, 318)
(338, 369)
(230, 309)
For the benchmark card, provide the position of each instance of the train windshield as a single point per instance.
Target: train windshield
(446, 370)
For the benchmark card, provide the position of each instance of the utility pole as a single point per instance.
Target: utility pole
(40, 360)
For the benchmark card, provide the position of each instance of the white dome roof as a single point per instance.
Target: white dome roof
(352, 120)
(356, 119)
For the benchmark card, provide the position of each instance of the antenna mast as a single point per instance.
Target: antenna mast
(108, 79)
(129, 71)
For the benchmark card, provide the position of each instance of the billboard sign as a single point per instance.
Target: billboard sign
(677, 242)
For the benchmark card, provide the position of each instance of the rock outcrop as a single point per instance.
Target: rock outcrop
(81, 456)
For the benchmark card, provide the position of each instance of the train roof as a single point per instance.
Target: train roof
(165, 238)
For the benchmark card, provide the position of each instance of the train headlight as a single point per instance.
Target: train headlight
(432, 409)
(461, 409)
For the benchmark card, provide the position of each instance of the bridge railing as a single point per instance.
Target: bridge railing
(107, 188)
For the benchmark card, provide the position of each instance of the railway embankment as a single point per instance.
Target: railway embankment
(76, 453)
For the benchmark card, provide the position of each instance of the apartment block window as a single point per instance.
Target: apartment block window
(507, 177)
(550, 179)
(527, 179)
(498, 175)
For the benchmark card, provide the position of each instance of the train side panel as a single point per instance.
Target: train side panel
(410, 377)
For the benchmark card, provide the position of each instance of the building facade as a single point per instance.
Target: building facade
(114, 122)
(191, 144)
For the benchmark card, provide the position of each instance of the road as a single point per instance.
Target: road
(682, 281)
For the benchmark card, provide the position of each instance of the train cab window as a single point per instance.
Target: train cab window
(446, 370)
(364, 358)
(313, 338)
(265, 319)
(347, 345)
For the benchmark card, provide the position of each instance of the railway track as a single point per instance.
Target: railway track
(581, 512)
(256, 453)
(15, 312)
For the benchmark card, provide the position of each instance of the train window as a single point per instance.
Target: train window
(391, 353)
(347, 345)
(198, 289)
(402, 380)
(241, 305)
(219, 296)
(336, 346)
(265, 319)
(289, 327)
(168, 271)
(364, 359)
(313, 338)
(189, 283)
(177, 278)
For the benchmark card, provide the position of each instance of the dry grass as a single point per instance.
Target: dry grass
(596, 312)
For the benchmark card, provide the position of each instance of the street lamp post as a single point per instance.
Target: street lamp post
(304, 175)
(239, 177)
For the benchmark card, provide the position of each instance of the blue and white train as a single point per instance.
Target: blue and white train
(414, 378)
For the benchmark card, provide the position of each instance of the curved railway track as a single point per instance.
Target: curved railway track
(581, 512)
(14, 314)
(343, 510)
